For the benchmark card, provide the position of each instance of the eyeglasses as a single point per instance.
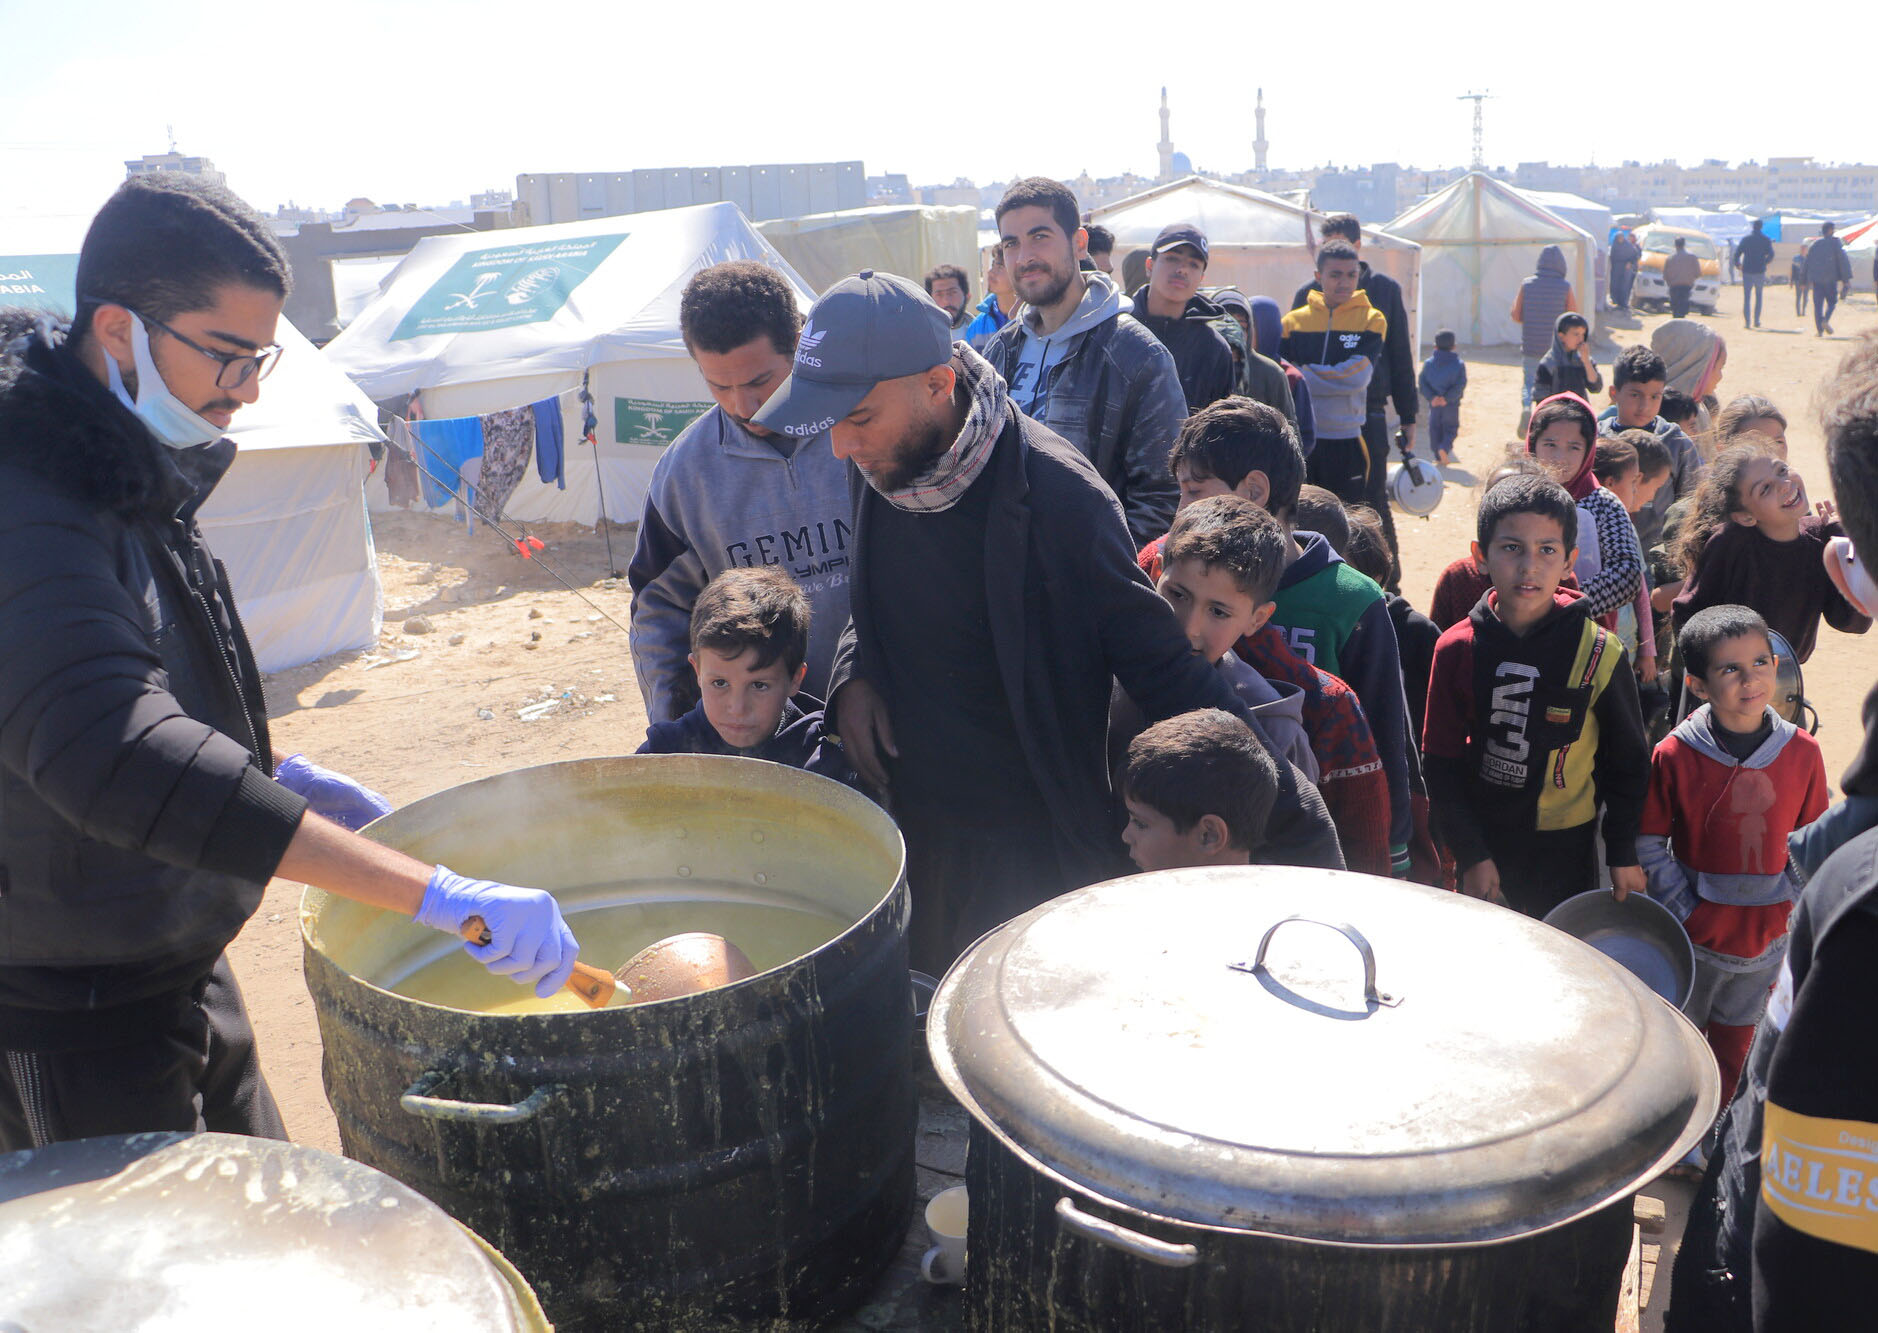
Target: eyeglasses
(237, 367)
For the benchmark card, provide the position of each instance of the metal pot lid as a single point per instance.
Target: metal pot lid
(1198, 1045)
(219, 1231)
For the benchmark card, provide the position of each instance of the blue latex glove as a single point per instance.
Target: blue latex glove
(528, 940)
(347, 803)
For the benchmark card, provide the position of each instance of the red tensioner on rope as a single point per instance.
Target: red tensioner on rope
(527, 546)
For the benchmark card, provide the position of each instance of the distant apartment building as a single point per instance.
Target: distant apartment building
(1791, 183)
(1371, 193)
(893, 188)
(768, 190)
(190, 166)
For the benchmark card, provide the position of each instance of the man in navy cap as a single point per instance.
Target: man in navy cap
(1172, 308)
(995, 597)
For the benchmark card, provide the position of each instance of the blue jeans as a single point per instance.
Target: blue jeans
(1444, 423)
(1530, 366)
(1751, 288)
(1825, 301)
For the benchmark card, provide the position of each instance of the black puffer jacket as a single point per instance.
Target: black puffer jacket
(1201, 353)
(138, 820)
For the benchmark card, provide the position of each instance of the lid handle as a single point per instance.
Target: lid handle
(1162, 1252)
(1343, 928)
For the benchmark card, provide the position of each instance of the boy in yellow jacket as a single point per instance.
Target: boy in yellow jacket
(1334, 339)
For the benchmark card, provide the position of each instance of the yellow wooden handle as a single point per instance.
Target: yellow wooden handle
(589, 982)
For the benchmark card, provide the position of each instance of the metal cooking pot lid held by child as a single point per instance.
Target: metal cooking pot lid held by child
(1319, 1054)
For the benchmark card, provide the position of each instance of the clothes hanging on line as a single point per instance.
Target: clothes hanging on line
(550, 443)
(508, 440)
(402, 482)
(447, 443)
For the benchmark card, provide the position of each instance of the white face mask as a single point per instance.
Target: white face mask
(167, 416)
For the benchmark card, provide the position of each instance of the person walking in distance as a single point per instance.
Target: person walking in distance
(1625, 254)
(1680, 272)
(1753, 253)
(1828, 268)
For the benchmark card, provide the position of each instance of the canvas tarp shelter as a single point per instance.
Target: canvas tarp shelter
(1257, 242)
(1590, 217)
(1861, 247)
(1480, 239)
(908, 239)
(288, 519)
(484, 321)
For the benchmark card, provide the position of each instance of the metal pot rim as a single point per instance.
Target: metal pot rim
(704, 772)
(1171, 1111)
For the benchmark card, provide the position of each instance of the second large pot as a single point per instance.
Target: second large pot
(1282, 1099)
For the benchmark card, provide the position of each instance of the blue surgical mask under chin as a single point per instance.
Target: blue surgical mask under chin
(167, 416)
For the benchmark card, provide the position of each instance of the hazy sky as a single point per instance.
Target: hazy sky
(403, 102)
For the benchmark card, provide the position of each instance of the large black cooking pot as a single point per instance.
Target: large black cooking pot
(1289, 1100)
(710, 1161)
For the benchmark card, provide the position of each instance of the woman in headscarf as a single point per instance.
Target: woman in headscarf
(1563, 437)
(1694, 354)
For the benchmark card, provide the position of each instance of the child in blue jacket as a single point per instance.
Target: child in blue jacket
(1443, 380)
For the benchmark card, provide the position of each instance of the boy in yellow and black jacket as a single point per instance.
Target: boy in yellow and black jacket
(1335, 339)
(1532, 720)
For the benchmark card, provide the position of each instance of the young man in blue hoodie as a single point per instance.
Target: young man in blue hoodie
(728, 493)
(1080, 365)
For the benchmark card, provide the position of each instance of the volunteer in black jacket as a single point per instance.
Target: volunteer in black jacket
(1171, 307)
(140, 818)
(1395, 369)
(995, 598)
(1783, 1234)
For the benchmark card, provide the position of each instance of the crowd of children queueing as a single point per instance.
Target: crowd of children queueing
(1499, 744)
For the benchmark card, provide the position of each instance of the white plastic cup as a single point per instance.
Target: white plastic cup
(944, 1263)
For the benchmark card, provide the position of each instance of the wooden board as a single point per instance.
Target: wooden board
(1629, 1303)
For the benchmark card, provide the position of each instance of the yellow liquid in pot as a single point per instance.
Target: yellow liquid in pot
(609, 936)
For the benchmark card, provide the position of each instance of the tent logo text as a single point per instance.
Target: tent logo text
(652, 422)
(533, 280)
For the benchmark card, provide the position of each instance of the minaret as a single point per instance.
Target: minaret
(1258, 144)
(1166, 145)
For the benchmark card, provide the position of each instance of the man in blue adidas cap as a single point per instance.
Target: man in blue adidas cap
(995, 596)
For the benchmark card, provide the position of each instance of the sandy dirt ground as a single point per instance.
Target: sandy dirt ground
(493, 634)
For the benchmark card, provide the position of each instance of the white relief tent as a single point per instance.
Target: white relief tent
(485, 321)
(1480, 238)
